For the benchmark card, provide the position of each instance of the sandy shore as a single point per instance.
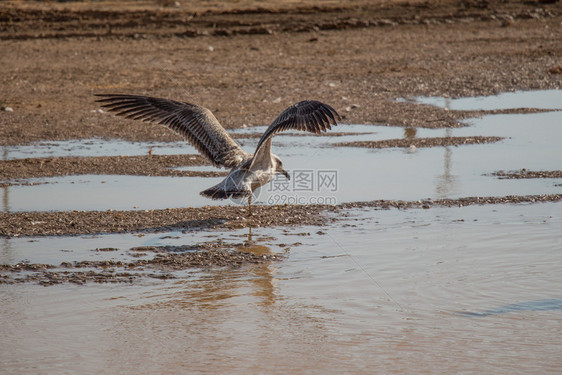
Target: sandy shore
(216, 217)
(246, 62)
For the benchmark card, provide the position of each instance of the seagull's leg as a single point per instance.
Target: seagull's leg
(249, 234)
(250, 206)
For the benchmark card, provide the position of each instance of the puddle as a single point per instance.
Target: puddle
(532, 142)
(94, 147)
(392, 290)
(93, 192)
(546, 99)
(58, 249)
(101, 147)
(329, 175)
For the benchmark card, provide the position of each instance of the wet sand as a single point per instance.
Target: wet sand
(163, 262)
(448, 290)
(141, 165)
(357, 56)
(421, 142)
(216, 217)
(247, 62)
(523, 173)
(166, 260)
(166, 165)
(455, 285)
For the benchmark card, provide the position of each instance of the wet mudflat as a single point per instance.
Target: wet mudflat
(219, 217)
(381, 289)
(430, 246)
(523, 173)
(337, 281)
(358, 56)
(383, 164)
(166, 260)
(422, 142)
(316, 287)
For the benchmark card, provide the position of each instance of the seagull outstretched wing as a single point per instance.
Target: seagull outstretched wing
(308, 115)
(196, 123)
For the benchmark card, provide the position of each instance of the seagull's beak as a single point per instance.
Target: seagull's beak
(285, 173)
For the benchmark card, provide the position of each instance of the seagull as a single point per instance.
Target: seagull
(201, 128)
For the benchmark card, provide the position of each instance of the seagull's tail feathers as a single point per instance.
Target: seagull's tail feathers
(215, 192)
(218, 192)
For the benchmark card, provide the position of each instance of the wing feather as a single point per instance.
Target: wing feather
(308, 115)
(194, 122)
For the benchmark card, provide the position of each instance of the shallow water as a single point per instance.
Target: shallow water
(91, 148)
(325, 174)
(94, 192)
(445, 290)
(545, 99)
(474, 289)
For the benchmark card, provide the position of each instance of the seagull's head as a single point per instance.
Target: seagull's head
(278, 165)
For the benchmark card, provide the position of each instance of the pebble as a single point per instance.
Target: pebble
(7, 109)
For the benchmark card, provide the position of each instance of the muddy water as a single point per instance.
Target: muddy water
(445, 290)
(325, 174)
(545, 99)
(92, 147)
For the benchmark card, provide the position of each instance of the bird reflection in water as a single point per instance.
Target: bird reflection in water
(263, 280)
